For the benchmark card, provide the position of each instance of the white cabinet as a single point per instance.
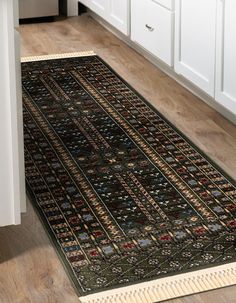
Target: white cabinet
(12, 191)
(203, 50)
(113, 11)
(195, 39)
(152, 28)
(226, 55)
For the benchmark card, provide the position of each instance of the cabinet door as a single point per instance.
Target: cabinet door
(100, 7)
(118, 15)
(226, 55)
(152, 28)
(12, 191)
(195, 42)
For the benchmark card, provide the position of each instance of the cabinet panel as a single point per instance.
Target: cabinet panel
(225, 55)
(151, 27)
(195, 29)
(12, 193)
(118, 15)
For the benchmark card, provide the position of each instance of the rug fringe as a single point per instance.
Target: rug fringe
(169, 287)
(57, 56)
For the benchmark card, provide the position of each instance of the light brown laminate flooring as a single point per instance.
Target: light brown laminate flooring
(30, 271)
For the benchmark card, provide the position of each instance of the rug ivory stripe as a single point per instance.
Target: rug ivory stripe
(57, 56)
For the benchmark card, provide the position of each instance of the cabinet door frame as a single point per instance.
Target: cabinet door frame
(207, 84)
(221, 96)
(12, 176)
(123, 25)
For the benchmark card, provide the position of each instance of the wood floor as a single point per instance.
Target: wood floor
(30, 271)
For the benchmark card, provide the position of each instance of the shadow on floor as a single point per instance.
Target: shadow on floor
(17, 239)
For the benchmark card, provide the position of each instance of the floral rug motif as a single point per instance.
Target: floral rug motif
(125, 197)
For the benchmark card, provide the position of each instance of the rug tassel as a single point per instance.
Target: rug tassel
(169, 287)
(57, 56)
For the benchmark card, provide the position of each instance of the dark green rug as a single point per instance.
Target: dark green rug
(125, 197)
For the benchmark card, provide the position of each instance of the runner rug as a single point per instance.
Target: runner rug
(137, 213)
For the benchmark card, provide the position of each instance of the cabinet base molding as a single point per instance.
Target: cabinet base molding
(167, 70)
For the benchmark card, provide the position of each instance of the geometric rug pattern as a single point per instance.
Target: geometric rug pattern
(124, 195)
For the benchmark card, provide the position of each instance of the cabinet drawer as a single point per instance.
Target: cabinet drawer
(152, 28)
